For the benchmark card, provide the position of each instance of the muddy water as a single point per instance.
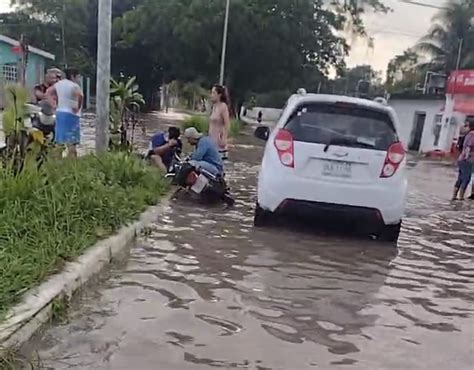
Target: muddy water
(205, 290)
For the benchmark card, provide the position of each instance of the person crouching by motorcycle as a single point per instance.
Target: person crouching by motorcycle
(206, 156)
(163, 146)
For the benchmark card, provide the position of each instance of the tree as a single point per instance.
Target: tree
(403, 72)
(451, 27)
(182, 40)
(273, 44)
(359, 80)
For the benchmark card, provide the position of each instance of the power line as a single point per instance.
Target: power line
(401, 33)
(417, 3)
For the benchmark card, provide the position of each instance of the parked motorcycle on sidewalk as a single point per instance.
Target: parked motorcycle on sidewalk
(209, 187)
(43, 119)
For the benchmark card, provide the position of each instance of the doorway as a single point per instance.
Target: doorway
(417, 132)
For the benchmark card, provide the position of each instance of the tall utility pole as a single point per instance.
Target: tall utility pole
(103, 75)
(224, 42)
(63, 35)
(458, 58)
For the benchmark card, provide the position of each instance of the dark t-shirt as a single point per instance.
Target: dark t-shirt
(160, 139)
(41, 88)
(461, 142)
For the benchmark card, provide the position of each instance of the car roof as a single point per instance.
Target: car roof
(326, 98)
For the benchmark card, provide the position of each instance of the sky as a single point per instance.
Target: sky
(392, 33)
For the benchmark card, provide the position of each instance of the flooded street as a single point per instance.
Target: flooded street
(204, 289)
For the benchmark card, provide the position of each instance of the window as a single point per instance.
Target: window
(9, 73)
(342, 124)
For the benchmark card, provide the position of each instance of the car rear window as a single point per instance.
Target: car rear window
(342, 124)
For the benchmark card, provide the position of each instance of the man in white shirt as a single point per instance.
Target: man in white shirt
(66, 96)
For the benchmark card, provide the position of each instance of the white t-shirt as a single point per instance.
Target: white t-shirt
(67, 92)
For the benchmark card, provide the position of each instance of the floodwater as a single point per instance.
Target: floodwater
(204, 289)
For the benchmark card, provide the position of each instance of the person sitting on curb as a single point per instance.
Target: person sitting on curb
(163, 146)
(206, 156)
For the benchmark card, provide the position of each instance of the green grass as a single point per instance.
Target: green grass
(201, 123)
(48, 218)
(235, 127)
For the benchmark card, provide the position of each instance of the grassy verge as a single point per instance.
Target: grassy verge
(50, 217)
(201, 123)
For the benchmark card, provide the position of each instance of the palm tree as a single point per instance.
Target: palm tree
(452, 31)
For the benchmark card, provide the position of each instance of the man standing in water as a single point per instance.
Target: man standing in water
(66, 95)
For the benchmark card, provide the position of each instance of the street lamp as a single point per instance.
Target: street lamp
(224, 42)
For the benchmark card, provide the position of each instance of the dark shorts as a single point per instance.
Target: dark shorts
(68, 129)
(464, 175)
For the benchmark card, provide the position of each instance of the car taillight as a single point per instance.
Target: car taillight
(395, 156)
(285, 148)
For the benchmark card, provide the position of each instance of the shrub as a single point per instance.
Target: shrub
(51, 216)
(201, 123)
(235, 127)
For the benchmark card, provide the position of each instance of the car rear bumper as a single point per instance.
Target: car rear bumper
(377, 203)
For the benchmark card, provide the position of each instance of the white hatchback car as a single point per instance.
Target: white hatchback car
(335, 156)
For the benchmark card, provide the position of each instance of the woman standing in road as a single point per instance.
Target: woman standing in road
(219, 122)
(465, 163)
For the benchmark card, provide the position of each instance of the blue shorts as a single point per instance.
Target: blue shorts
(68, 128)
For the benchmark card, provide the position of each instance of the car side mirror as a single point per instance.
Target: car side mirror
(262, 133)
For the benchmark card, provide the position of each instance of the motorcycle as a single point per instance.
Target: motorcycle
(39, 123)
(42, 119)
(207, 186)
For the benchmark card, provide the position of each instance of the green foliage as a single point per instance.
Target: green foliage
(403, 73)
(125, 104)
(272, 99)
(235, 127)
(201, 123)
(23, 146)
(441, 44)
(273, 44)
(193, 94)
(60, 306)
(51, 216)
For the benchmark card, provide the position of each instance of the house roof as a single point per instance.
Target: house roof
(32, 49)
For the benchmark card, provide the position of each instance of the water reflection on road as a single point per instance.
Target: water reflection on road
(205, 290)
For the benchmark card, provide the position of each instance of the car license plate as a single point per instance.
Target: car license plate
(337, 169)
(200, 184)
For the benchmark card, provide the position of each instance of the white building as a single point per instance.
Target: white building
(420, 121)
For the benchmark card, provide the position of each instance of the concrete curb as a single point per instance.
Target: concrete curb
(25, 319)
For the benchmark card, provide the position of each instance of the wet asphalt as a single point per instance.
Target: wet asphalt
(203, 289)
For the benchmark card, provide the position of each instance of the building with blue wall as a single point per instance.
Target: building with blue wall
(10, 62)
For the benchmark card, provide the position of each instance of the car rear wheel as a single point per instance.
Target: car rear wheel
(390, 233)
(261, 217)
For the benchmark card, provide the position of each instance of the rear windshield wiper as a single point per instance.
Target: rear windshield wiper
(336, 141)
(347, 141)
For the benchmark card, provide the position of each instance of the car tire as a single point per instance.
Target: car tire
(390, 233)
(261, 217)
